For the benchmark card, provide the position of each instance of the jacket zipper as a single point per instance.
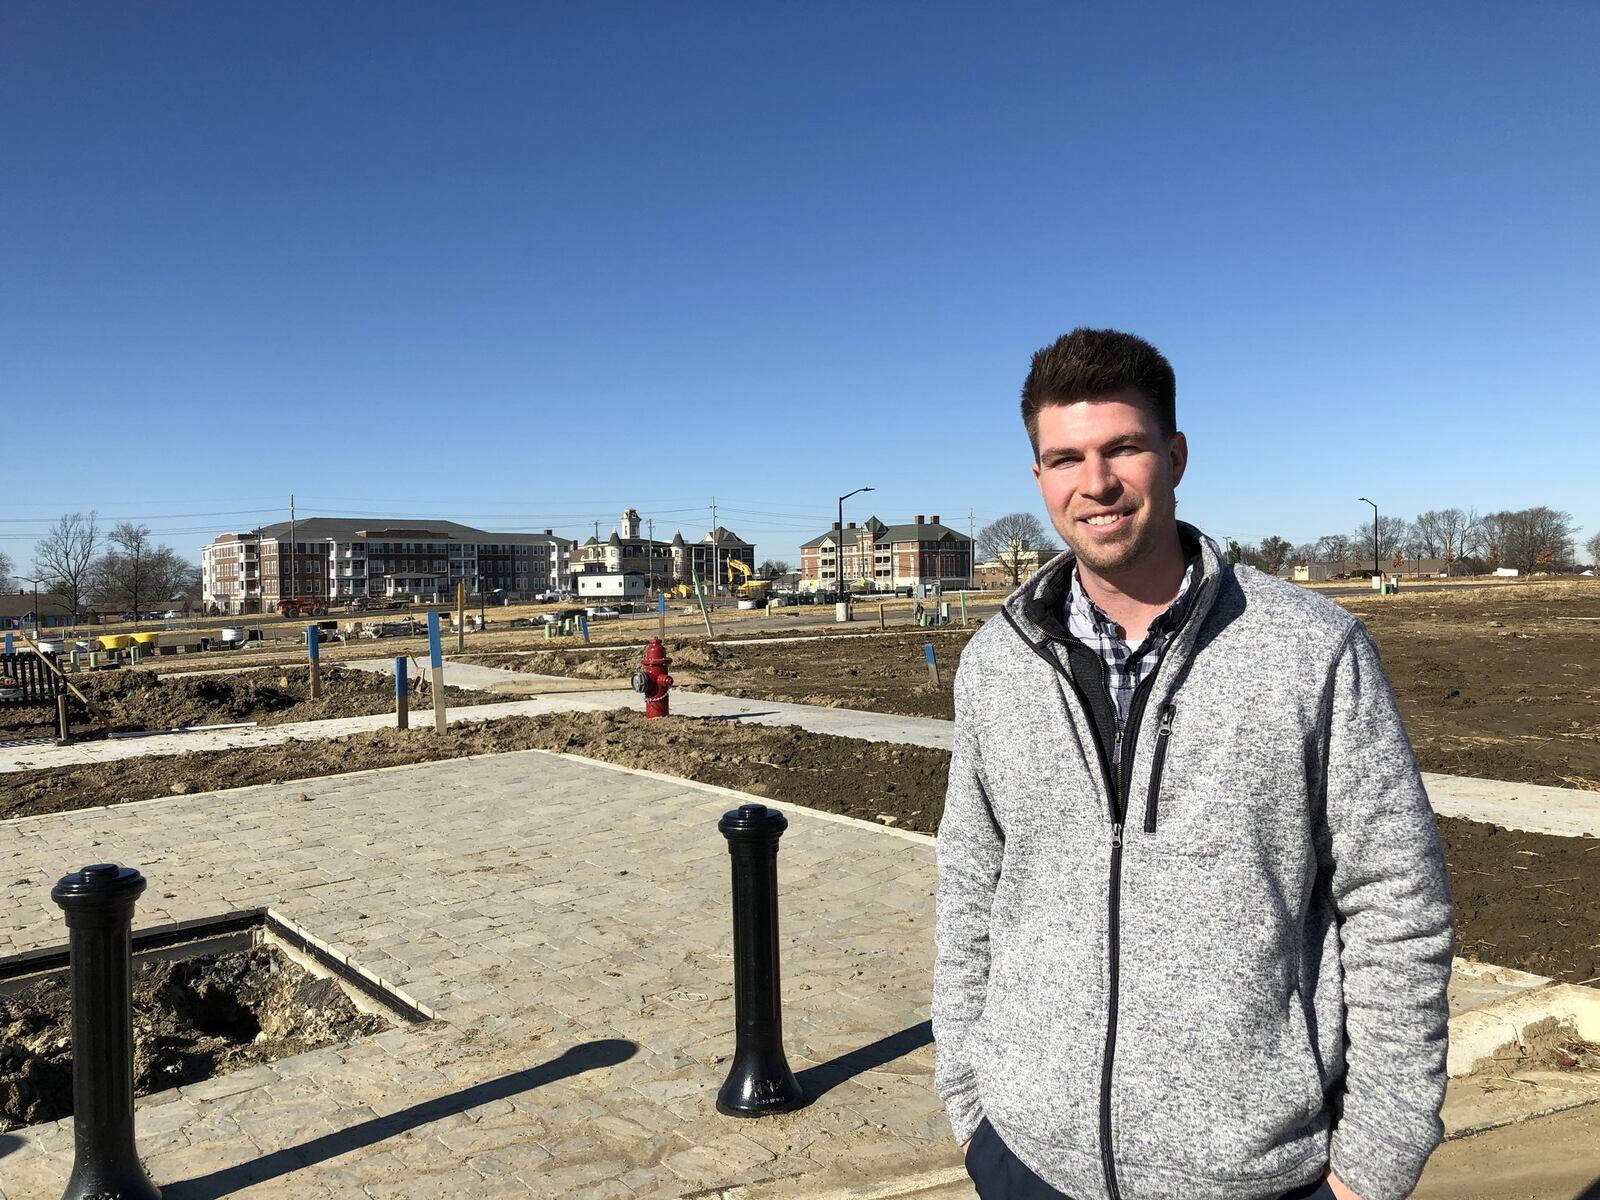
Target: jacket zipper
(1122, 762)
(1116, 790)
(1153, 796)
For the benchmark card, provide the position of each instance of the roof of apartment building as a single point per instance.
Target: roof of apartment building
(874, 530)
(316, 529)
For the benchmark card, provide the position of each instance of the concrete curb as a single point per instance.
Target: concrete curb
(1505, 1028)
(904, 1188)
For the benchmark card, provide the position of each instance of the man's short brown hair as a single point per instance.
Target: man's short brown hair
(1092, 364)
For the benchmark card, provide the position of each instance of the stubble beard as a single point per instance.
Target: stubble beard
(1111, 559)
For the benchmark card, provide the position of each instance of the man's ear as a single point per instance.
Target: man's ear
(1178, 450)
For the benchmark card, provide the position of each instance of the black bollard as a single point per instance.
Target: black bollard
(760, 1081)
(99, 901)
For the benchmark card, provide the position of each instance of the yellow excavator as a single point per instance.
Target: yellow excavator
(752, 588)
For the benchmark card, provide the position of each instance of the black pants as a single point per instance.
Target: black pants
(999, 1174)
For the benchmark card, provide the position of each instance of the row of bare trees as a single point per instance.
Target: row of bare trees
(1465, 542)
(122, 568)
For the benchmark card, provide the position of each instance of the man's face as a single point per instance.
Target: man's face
(1108, 478)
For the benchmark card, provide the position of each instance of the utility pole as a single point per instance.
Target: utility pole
(650, 552)
(972, 553)
(294, 554)
(716, 558)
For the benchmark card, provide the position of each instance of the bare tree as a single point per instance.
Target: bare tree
(136, 573)
(1523, 537)
(1391, 534)
(1443, 533)
(65, 556)
(1336, 547)
(1274, 552)
(1010, 541)
(6, 568)
(1593, 548)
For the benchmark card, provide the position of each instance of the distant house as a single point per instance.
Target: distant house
(16, 610)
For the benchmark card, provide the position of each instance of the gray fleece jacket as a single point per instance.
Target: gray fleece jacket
(1207, 958)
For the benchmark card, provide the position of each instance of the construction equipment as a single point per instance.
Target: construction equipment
(752, 588)
(300, 606)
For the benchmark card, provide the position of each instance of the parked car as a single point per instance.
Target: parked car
(172, 614)
(602, 612)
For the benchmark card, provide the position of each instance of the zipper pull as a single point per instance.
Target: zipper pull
(1166, 720)
(1158, 760)
(1116, 836)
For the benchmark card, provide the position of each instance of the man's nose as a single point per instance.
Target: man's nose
(1097, 479)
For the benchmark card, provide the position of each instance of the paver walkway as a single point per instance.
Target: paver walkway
(569, 923)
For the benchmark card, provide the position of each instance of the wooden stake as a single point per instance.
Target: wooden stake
(461, 615)
(933, 663)
(881, 625)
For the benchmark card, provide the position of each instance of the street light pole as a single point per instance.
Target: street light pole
(838, 558)
(1376, 570)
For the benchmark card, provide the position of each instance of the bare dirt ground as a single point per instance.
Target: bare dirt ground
(192, 1019)
(1523, 900)
(1502, 683)
(1497, 683)
(886, 673)
(140, 700)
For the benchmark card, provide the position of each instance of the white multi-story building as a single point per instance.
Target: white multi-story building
(664, 563)
(337, 560)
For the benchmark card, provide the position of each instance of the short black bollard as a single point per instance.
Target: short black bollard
(99, 901)
(760, 1081)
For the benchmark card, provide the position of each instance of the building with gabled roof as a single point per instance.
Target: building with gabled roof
(876, 557)
(664, 563)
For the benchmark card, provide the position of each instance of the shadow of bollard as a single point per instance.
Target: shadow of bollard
(817, 1081)
(588, 1056)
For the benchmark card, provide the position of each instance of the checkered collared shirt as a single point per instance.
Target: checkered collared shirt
(1126, 667)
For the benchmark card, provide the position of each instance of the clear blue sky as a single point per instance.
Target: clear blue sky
(522, 265)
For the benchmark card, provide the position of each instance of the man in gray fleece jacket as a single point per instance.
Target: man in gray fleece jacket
(1194, 926)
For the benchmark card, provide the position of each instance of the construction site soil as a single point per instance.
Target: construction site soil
(143, 700)
(1523, 900)
(192, 1019)
(1498, 682)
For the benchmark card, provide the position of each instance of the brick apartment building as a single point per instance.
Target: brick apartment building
(880, 558)
(337, 560)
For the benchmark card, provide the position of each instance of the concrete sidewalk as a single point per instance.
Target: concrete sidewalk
(1566, 812)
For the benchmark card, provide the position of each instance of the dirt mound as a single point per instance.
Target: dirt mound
(141, 700)
(192, 1019)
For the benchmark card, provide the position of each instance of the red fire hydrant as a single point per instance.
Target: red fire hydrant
(654, 681)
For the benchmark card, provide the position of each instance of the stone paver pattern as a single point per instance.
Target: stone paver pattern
(570, 924)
